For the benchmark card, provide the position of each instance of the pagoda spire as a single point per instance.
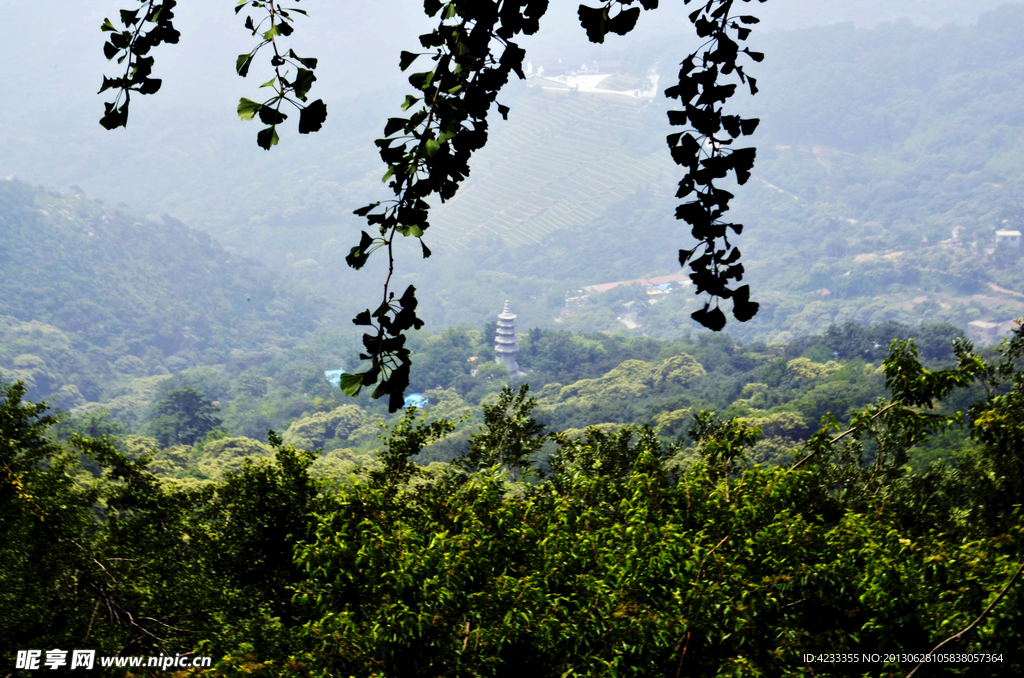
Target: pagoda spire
(505, 339)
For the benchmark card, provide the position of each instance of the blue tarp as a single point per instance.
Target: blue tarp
(412, 400)
(416, 400)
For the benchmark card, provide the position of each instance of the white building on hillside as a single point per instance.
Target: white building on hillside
(1008, 238)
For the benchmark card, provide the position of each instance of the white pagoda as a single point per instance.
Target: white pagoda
(505, 340)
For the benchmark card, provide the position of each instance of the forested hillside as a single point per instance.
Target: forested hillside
(884, 136)
(200, 422)
(884, 140)
(91, 297)
(601, 552)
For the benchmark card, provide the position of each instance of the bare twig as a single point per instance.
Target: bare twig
(700, 570)
(92, 618)
(700, 573)
(957, 636)
(796, 602)
(844, 434)
(679, 668)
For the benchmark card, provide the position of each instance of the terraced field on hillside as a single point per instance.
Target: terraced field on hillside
(558, 162)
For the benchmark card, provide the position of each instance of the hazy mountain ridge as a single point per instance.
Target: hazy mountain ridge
(949, 157)
(873, 145)
(151, 296)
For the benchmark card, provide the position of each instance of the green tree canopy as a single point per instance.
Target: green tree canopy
(626, 556)
(183, 417)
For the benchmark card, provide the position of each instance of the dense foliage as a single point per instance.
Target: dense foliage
(579, 381)
(620, 554)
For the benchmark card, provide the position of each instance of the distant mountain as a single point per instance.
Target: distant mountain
(90, 294)
(875, 144)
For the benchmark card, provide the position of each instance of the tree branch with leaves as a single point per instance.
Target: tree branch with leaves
(278, 22)
(427, 152)
(144, 28)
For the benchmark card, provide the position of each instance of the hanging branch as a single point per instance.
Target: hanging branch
(704, 151)
(278, 22)
(956, 637)
(428, 153)
(598, 21)
(853, 429)
(132, 45)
